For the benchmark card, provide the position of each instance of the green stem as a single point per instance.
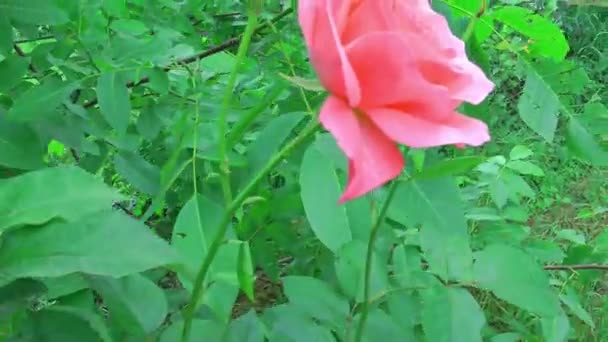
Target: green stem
(197, 292)
(368, 260)
(238, 131)
(468, 32)
(222, 124)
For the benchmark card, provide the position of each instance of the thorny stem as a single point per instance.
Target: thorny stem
(471, 26)
(197, 292)
(368, 260)
(222, 125)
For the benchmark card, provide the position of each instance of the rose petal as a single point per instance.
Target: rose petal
(373, 158)
(389, 74)
(366, 17)
(442, 55)
(317, 19)
(414, 130)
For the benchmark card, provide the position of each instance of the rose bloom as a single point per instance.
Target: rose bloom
(396, 75)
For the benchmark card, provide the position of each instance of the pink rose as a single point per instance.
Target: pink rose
(396, 74)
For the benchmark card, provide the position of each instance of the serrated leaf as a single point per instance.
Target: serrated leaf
(20, 145)
(192, 235)
(525, 168)
(36, 12)
(33, 198)
(539, 105)
(449, 167)
(6, 35)
(159, 80)
(571, 300)
(437, 208)
(194, 230)
(12, 69)
(18, 294)
(350, 270)
(520, 152)
(583, 145)
(320, 191)
(58, 248)
(136, 303)
(555, 328)
(245, 270)
(247, 328)
(516, 277)
(69, 324)
(545, 38)
(382, 327)
(312, 85)
(451, 315)
(144, 176)
(202, 330)
(40, 101)
(114, 101)
(315, 298)
(498, 192)
(270, 140)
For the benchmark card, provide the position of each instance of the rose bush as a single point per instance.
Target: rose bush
(395, 74)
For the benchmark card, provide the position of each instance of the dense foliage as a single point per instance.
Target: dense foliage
(127, 215)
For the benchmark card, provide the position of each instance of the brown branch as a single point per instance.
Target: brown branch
(212, 51)
(21, 41)
(576, 267)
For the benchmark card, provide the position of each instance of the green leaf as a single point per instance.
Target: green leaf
(499, 192)
(270, 140)
(105, 243)
(382, 327)
(571, 300)
(247, 328)
(451, 315)
(202, 330)
(144, 176)
(20, 146)
(159, 80)
(33, 198)
(583, 145)
(64, 285)
(136, 303)
(69, 324)
(320, 191)
(245, 270)
(129, 27)
(520, 152)
(350, 270)
(192, 234)
(114, 101)
(149, 123)
(288, 324)
(449, 167)
(517, 278)
(507, 337)
(546, 38)
(12, 69)
(539, 105)
(36, 12)
(196, 226)
(40, 101)
(315, 298)
(312, 85)
(556, 328)
(18, 294)
(6, 36)
(436, 207)
(525, 168)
